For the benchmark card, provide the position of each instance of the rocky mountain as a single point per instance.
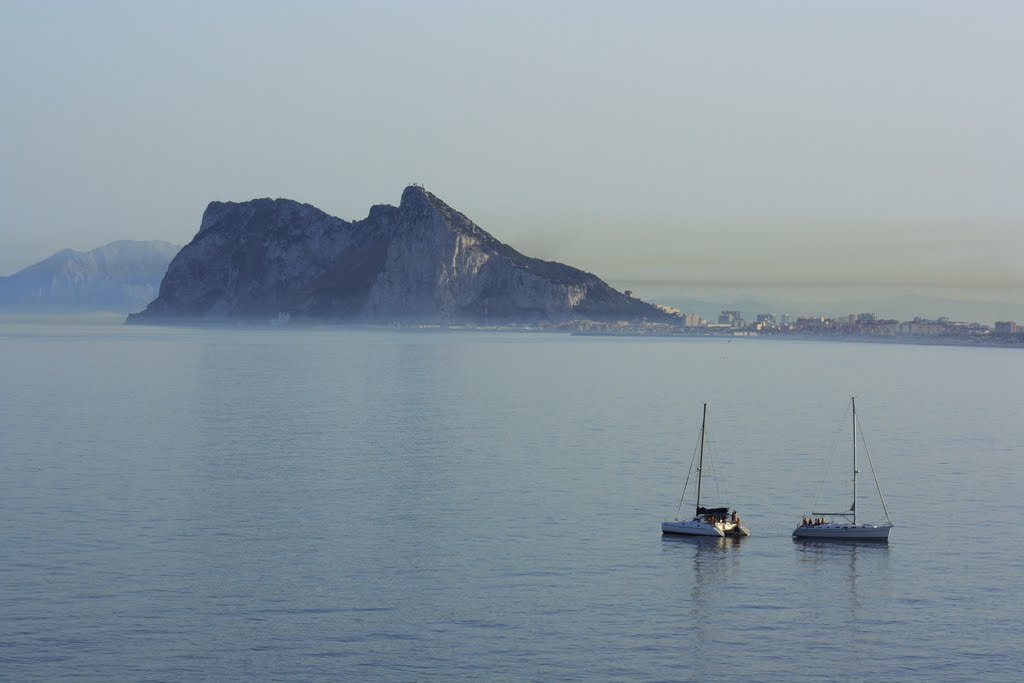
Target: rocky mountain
(120, 276)
(421, 261)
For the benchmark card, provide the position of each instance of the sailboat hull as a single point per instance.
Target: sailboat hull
(867, 532)
(696, 527)
(692, 528)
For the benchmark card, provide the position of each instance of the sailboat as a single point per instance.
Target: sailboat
(706, 521)
(817, 526)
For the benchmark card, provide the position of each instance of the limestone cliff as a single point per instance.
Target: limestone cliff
(419, 262)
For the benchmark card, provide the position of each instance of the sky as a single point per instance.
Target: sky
(800, 144)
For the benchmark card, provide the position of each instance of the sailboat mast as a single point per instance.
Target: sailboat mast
(700, 462)
(853, 402)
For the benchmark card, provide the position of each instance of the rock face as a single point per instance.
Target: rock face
(120, 276)
(420, 262)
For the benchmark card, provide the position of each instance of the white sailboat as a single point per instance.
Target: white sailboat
(706, 521)
(823, 525)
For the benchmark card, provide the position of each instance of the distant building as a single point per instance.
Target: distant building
(766, 319)
(880, 328)
(921, 328)
(865, 317)
(816, 325)
(1007, 327)
(731, 318)
(692, 320)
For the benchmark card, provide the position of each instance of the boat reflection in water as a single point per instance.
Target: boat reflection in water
(709, 568)
(704, 545)
(852, 564)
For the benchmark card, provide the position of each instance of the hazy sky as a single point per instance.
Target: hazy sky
(856, 142)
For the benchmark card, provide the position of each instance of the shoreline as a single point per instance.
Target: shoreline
(570, 329)
(856, 339)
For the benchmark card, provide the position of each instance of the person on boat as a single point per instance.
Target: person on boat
(803, 522)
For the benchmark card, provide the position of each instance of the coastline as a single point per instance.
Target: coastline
(574, 328)
(977, 342)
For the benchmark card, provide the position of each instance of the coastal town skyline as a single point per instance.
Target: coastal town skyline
(832, 301)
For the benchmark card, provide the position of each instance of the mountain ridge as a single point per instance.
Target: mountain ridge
(117, 276)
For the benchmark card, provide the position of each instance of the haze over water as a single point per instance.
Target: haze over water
(868, 143)
(340, 504)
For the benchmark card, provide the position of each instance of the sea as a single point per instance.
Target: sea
(333, 503)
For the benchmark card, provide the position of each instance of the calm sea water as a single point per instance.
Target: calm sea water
(338, 504)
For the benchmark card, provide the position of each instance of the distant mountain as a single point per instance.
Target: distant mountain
(120, 276)
(422, 262)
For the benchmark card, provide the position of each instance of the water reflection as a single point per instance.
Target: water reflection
(704, 544)
(848, 567)
(715, 562)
